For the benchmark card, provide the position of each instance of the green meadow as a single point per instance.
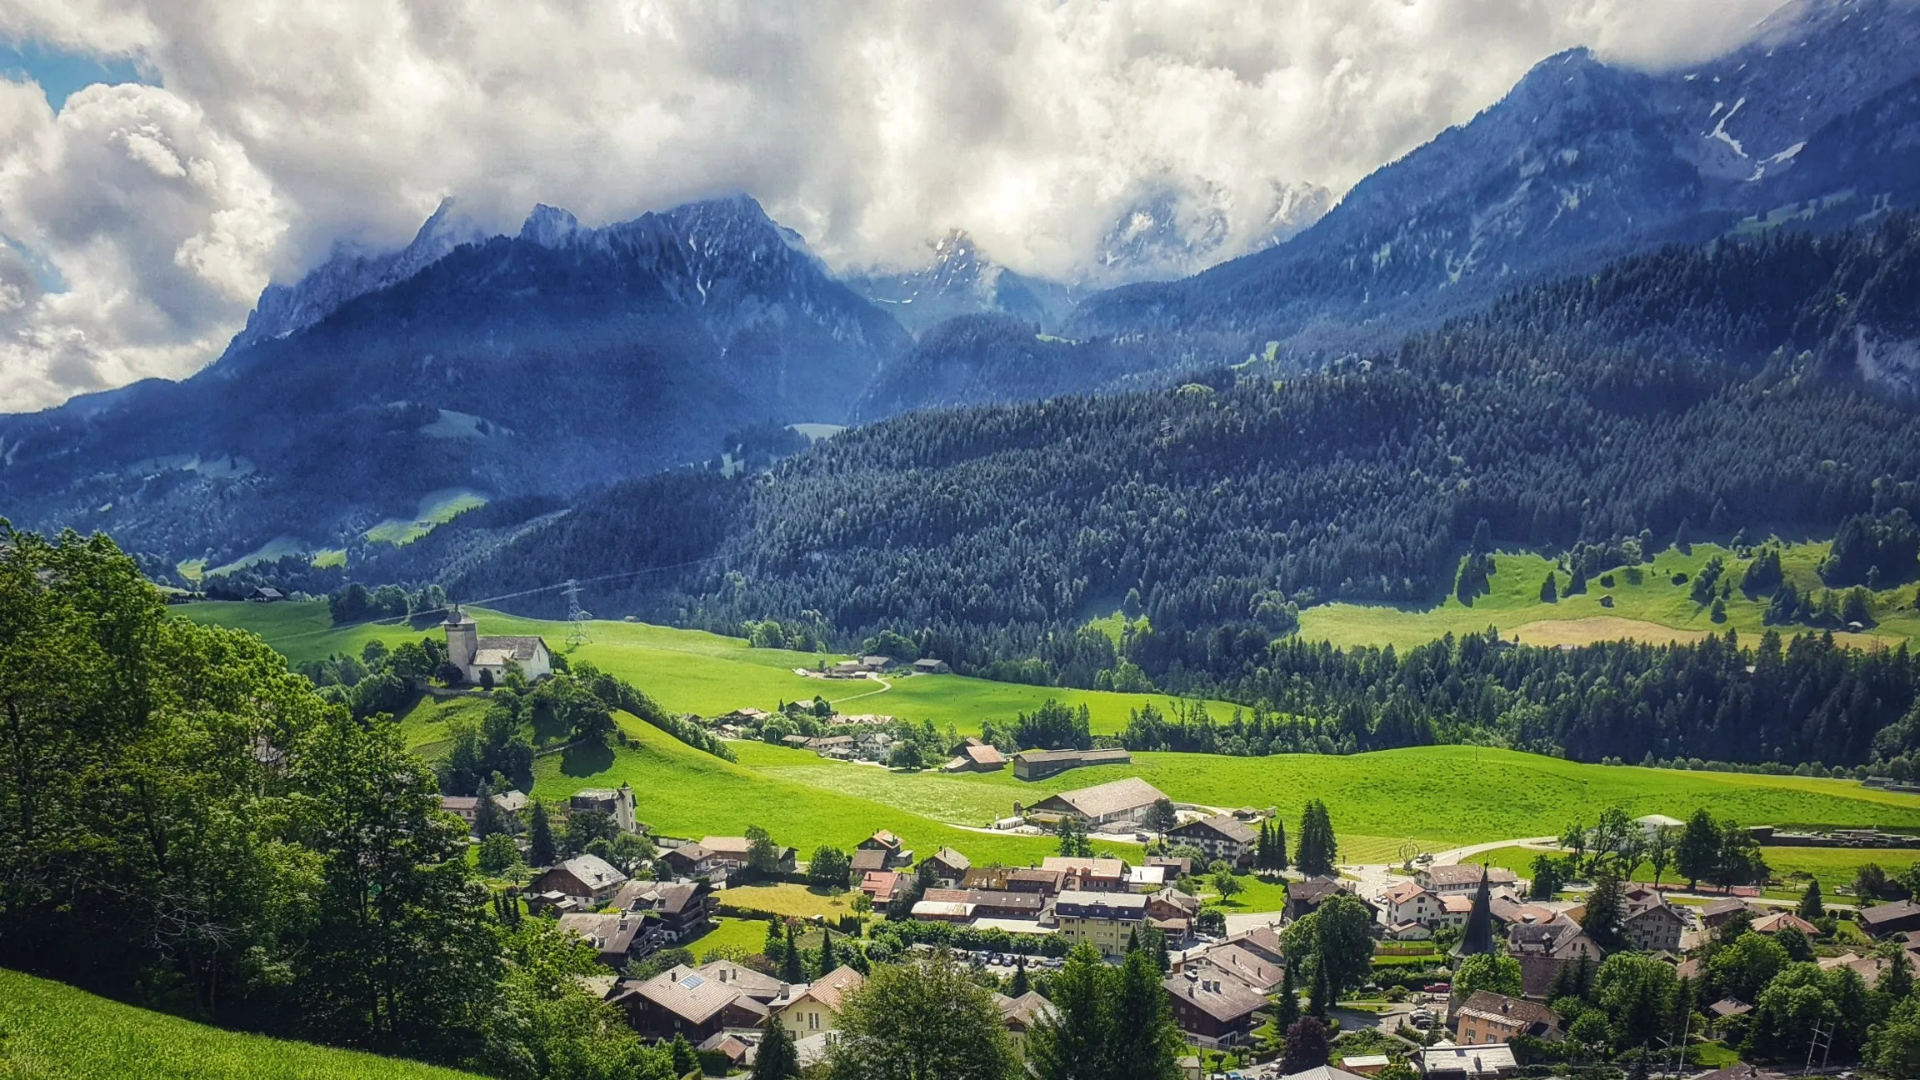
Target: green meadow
(1832, 867)
(1647, 606)
(697, 672)
(53, 1032)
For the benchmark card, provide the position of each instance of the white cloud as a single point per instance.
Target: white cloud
(869, 126)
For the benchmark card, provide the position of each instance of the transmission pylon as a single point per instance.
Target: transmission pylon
(577, 633)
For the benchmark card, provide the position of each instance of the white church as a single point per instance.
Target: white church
(479, 657)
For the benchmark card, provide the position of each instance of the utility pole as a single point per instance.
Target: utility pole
(1821, 1043)
(576, 618)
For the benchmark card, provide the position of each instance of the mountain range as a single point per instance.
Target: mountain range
(526, 370)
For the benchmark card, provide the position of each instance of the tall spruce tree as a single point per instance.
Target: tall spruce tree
(1317, 851)
(1286, 1009)
(540, 846)
(777, 1057)
(1279, 844)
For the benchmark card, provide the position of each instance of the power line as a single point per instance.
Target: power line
(576, 618)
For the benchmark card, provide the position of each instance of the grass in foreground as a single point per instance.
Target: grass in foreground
(53, 1032)
(1647, 606)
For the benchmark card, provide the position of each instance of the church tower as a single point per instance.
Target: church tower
(463, 640)
(1478, 939)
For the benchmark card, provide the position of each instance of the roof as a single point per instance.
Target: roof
(1471, 1060)
(952, 859)
(686, 993)
(606, 933)
(880, 884)
(1661, 910)
(1726, 1007)
(727, 845)
(1457, 904)
(832, 988)
(1104, 800)
(1532, 1019)
(885, 836)
(457, 803)
(870, 859)
(593, 871)
(940, 909)
(1251, 968)
(510, 648)
(1023, 1010)
(1262, 940)
(511, 801)
(1469, 874)
(1100, 905)
(1064, 864)
(1313, 890)
(1659, 821)
(1224, 825)
(1728, 906)
(1885, 913)
(725, 1042)
(1781, 920)
(1403, 892)
(691, 852)
(1327, 1072)
(986, 755)
(1225, 999)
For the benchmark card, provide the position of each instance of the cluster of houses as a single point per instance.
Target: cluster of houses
(868, 667)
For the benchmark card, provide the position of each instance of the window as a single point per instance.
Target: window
(813, 1021)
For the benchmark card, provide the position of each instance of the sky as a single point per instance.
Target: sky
(162, 160)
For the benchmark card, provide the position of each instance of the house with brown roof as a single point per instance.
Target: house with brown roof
(1463, 878)
(1719, 911)
(1258, 973)
(1222, 837)
(619, 937)
(880, 885)
(817, 1008)
(587, 878)
(979, 757)
(1777, 921)
(1035, 880)
(683, 1001)
(1884, 920)
(949, 866)
(1305, 897)
(733, 852)
(868, 861)
(1544, 948)
(1021, 1014)
(1487, 1018)
(1087, 875)
(1216, 1011)
(683, 910)
(1407, 902)
(1117, 803)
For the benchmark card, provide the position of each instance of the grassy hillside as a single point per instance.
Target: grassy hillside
(1647, 606)
(697, 672)
(53, 1032)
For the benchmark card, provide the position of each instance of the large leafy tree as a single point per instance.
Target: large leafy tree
(1697, 855)
(922, 1020)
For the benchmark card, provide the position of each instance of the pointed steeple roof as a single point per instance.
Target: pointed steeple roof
(1478, 938)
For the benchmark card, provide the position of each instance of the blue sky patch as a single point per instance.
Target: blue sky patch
(60, 73)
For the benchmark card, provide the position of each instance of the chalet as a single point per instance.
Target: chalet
(1172, 912)
(683, 1001)
(1214, 1010)
(1465, 1062)
(865, 862)
(930, 666)
(1883, 920)
(1042, 880)
(512, 802)
(1463, 878)
(1714, 914)
(1040, 764)
(486, 660)
(1120, 802)
(586, 878)
(683, 910)
(616, 803)
(619, 938)
(1104, 920)
(1783, 920)
(895, 850)
(949, 866)
(266, 595)
(1488, 1018)
(1261, 941)
(984, 904)
(1407, 902)
(1222, 837)
(1021, 1014)
(1305, 897)
(1544, 948)
(1259, 973)
(690, 860)
(465, 807)
(1087, 875)
(817, 1008)
(879, 886)
(733, 852)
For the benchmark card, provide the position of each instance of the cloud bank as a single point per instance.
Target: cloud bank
(280, 128)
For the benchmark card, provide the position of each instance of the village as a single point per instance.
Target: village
(1226, 976)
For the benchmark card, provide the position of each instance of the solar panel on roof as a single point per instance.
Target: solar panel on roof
(693, 982)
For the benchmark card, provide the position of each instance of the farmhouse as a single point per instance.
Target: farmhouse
(1259, 973)
(689, 1001)
(1040, 764)
(930, 666)
(1883, 920)
(616, 803)
(1087, 875)
(1718, 912)
(976, 758)
(683, 910)
(1021, 1014)
(1222, 837)
(1305, 897)
(486, 660)
(949, 866)
(1782, 920)
(733, 853)
(1122, 801)
(894, 851)
(879, 885)
(689, 860)
(266, 595)
(618, 938)
(583, 877)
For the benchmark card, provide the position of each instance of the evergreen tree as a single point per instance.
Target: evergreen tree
(827, 961)
(775, 949)
(685, 1060)
(1279, 844)
(1605, 904)
(1317, 851)
(1896, 981)
(1308, 1046)
(777, 1058)
(1021, 983)
(1286, 1009)
(1811, 905)
(487, 818)
(1075, 1041)
(1549, 590)
(792, 964)
(1320, 998)
(540, 848)
(1145, 1042)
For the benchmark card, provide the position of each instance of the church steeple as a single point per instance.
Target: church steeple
(1478, 938)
